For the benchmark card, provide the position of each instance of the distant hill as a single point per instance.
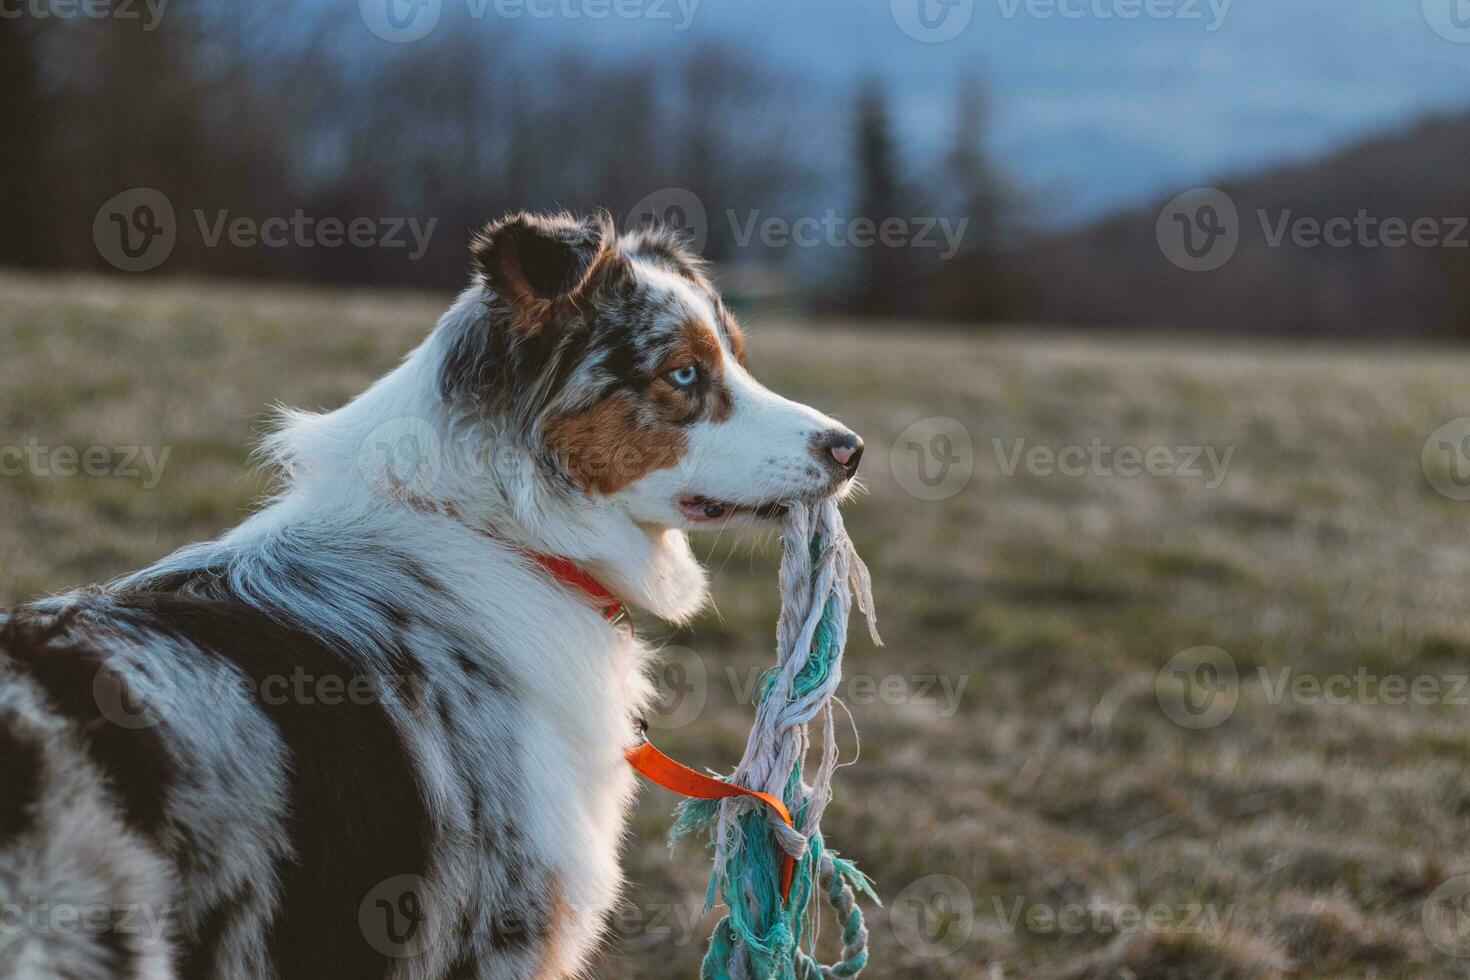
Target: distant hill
(1115, 271)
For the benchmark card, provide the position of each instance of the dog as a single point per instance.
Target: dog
(377, 729)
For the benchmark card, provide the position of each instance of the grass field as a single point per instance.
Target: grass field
(1041, 793)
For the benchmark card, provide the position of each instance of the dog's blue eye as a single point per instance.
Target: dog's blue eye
(684, 376)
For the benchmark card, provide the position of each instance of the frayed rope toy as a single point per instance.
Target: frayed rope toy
(770, 859)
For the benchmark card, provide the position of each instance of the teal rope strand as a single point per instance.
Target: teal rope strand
(759, 926)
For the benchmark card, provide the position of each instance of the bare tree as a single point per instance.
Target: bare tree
(883, 278)
(24, 229)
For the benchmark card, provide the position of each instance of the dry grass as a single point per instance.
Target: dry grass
(1307, 835)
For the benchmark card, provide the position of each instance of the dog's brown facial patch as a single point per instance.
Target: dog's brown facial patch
(614, 443)
(637, 430)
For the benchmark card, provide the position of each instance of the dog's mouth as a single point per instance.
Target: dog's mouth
(698, 508)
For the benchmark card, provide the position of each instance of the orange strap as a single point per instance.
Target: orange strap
(658, 768)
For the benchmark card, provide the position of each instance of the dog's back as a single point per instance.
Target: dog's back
(193, 788)
(79, 878)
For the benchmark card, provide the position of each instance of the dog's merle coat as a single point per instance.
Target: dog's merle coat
(361, 734)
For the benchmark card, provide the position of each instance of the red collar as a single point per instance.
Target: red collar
(573, 577)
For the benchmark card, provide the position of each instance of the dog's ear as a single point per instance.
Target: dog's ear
(670, 248)
(538, 267)
(533, 262)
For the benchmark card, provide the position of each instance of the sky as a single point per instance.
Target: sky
(1093, 110)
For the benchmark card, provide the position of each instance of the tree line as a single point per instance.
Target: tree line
(292, 143)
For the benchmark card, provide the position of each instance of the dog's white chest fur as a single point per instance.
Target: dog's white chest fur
(581, 683)
(582, 699)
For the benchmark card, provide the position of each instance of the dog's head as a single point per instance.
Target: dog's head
(615, 361)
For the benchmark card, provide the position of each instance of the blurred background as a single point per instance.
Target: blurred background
(1021, 149)
(1153, 314)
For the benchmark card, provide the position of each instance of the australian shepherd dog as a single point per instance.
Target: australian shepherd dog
(377, 729)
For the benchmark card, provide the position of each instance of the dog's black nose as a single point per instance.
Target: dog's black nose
(846, 447)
